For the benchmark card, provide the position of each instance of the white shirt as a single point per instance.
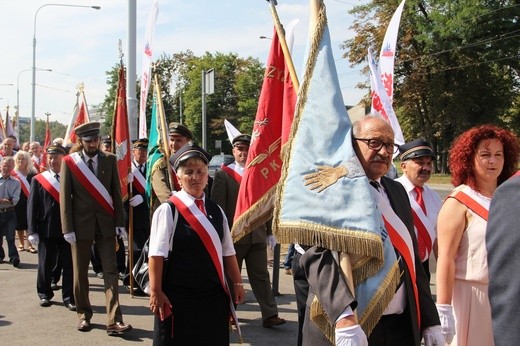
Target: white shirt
(431, 199)
(162, 228)
(94, 161)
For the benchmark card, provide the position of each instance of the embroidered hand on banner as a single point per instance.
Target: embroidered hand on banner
(324, 177)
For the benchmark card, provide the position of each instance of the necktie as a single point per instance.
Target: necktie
(419, 197)
(91, 165)
(375, 184)
(200, 204)
(57, 176)
(140, 168)
(420, 241)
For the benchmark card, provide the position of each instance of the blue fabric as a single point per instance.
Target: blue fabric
(344, 216)
(7, 229)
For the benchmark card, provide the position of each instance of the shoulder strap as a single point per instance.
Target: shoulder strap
(175, 218)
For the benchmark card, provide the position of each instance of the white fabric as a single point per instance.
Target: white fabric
(162, 226)
(346, 313)
(350, 336)
(271, 241)
(34, 239)
(237, 168)
(447, 321)
(432, 202)
(70, 238)
(83, 167)
(433, 336)
(136, 200)
(398, 302)
(138, 175)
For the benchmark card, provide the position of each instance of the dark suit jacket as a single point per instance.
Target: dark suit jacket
(429, 316)
(80, 212)
(224, 192)
(43, 212)
(503, 242)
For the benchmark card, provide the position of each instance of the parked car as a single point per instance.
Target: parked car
(217, 161)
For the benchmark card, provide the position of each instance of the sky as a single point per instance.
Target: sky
(81, 44)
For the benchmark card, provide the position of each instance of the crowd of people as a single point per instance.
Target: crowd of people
(66, 206)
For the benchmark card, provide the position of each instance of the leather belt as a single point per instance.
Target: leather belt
(4, 210)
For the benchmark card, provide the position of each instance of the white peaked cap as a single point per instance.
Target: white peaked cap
(232, 131)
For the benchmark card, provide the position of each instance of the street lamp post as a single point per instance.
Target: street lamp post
(17, 114)
(33, 106)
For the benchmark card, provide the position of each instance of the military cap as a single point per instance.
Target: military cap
(141, 143)
(416, 148)
(88, 131)
(176, 128)
(56, 149)
(241, 139)
(188, 151)
(106, 139)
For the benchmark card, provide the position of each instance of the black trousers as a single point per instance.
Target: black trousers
(393, 330)
(301, 290)
(48, 251)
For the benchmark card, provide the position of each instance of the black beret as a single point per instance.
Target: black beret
(416, 148)
(88, 131)
(176, 128)
(141, 143)
(188, 151)
(246, 139)
(56, 149)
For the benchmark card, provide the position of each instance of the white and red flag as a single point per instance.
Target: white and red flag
(146, 68)
(270, 132)
(121, 135)
(80, 116)
(48, 139)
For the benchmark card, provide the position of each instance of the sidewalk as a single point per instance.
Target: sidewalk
(23, 321)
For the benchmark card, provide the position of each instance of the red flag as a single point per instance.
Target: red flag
(43, 165)
(79, 117)
(121, 135)
(270, 131)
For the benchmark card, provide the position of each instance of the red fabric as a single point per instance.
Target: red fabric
(472, 204)
(200, 204)
(81, 118)
(49, 187)
(270, 131)
(400, 245)
(121, 135)
(232, 173)
(420, 237)
(43, 165)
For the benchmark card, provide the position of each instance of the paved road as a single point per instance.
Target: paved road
(23, 321)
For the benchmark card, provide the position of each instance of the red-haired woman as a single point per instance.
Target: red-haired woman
(480, 159)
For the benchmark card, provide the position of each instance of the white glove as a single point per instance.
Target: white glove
(120, 232)
(34, 239)
(350, 336)
(136, 200)
(271, 241)
(130, 178)
(70, 238)
(433, 336)
(447, 321)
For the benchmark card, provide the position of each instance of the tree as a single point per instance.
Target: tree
(457, 64)
(237, 88)
(57, 130)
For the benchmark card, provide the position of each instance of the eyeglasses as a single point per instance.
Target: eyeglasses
(376, 145)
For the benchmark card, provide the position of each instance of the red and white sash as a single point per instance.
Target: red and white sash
(23, 181)
(139, 182)
(80, 170)
(209, 236)
(50, 184)
(423, 227)
(401, 240)
(233, 172)
(36, 162)
(470, 199)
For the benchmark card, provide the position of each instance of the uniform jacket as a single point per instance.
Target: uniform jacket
(80, 212)
(225, 192)
(429, 316)
(43, 212)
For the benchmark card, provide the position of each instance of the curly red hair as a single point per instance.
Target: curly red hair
(463, 151)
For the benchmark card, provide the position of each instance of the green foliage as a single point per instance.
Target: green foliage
(57, 130)
(238, 83)
(457, 64)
